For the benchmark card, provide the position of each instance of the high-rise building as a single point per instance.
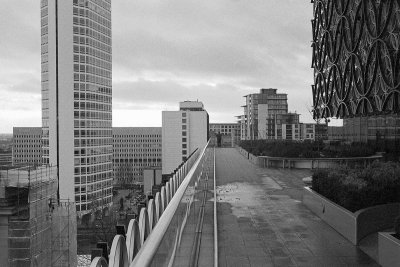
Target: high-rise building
(76, 98)
(259, 113)
(27, 146)
(135, 149)
(183, 132)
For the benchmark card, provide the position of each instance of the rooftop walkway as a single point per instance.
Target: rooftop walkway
(262, 222)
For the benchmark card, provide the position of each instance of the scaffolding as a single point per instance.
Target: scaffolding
(41, 228)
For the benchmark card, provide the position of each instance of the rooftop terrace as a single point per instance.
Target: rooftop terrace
(253, 217)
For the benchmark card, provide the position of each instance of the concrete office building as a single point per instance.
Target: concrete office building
(76, 98)
(27, 146)
(183, 131)
(135, 149)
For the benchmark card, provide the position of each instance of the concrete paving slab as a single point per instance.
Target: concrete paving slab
(262, 222)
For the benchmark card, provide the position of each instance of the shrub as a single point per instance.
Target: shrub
(305, 149)
(356, 189)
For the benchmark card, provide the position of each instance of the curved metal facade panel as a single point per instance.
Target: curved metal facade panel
(356, 57)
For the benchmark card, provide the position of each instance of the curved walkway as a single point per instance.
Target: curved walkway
(262, 222)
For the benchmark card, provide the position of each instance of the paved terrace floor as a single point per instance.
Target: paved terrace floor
(262, 222)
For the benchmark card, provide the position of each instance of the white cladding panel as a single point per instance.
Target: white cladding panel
(171, 140)
(66, 100)
(197, 130)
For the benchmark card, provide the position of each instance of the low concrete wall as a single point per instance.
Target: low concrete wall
(339, 218)
(243, 152)
(353, 226)
(306, 163)
(388, 250)
(254, 159)
(376, 218)
(314, 163)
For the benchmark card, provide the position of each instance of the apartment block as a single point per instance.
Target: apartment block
(259, 110)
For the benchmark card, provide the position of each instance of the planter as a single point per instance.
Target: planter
(352, 225)
(388, 249)
(305, 163)
(314, 163)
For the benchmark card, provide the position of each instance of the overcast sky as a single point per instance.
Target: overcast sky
(169, 51)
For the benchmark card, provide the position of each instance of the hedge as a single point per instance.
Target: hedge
(304, 149)
(355, 189)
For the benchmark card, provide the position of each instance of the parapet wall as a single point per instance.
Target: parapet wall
(306, 163)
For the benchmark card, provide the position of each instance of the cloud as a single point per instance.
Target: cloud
(165, 95)
(168, 51)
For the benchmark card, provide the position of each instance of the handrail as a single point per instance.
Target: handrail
(215, 215)
(145, 235)
(149, 248)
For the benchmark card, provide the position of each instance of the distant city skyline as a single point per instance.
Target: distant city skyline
(167, 52)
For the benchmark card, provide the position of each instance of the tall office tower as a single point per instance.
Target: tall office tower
(76, 98)
(183, 132)
(259, 113)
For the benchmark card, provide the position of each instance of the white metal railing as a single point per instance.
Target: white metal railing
(144, 236)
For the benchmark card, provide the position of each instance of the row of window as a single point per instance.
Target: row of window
(136, 160)
(93, 133)
(106, 90)
(92, 160)
(92, 151)
(102, 185)
(85, 105)
(93, 169)
(93, 97)
(99, 115)
(85, 78)
(137, 143)
(92, 124)
(103, 178)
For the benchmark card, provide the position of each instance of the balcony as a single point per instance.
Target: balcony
(220, 209)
